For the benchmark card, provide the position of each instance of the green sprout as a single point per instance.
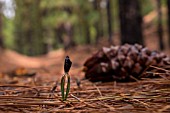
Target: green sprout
(66, 77)
(63, 92)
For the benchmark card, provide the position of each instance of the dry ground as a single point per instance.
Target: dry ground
(33, 94)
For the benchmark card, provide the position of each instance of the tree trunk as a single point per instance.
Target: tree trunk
(65, 29)
(1, 36)
(130, 21)
(160, 29)
(28, 31)
(87, 33)
(58, 33)
(69, 29)
(109, 19)
(168, 3)
(96, 25)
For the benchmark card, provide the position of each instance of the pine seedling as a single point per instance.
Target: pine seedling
(66, 76)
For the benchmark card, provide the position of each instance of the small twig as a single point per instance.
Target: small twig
(108, 106)
(100, 98)
(132, 77)
(140, 76)
(13, 85)
(160, 68)
(53, 89)
(135, 100)
(155, 73)
(98, 89)
(164, 109)
(82, 101)
(78, 82)
(158, 74)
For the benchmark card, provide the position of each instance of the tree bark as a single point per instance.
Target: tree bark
(130, 21)
(1, 35)
(69, 29)
(160, 29)
(168, 5)
(109, 19)
(97, 25)
(28, 31)
(87, 33)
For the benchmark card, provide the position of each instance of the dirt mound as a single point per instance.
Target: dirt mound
(13, 59)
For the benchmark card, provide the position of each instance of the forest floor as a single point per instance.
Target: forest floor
(22, 91)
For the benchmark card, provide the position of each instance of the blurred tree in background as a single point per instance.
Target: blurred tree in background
(1, 35)
(160, 27)
(39, 26)
(28, 27)
(130, 21)
(109, 19)
(168, 7)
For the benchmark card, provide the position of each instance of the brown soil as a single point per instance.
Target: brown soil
(21, 93)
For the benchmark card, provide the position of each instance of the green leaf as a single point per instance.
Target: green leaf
(62, 86)
(68, 86)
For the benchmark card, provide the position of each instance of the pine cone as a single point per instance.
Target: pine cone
(121, 62)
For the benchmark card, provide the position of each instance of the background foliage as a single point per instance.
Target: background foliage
(39, 26)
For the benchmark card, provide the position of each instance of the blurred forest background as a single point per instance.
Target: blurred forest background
(35, 27)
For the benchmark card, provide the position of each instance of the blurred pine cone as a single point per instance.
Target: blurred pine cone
(121, 63)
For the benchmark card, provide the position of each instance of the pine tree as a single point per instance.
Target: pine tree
(130, 21)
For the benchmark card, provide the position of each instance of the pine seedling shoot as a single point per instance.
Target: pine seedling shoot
(66, 76)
